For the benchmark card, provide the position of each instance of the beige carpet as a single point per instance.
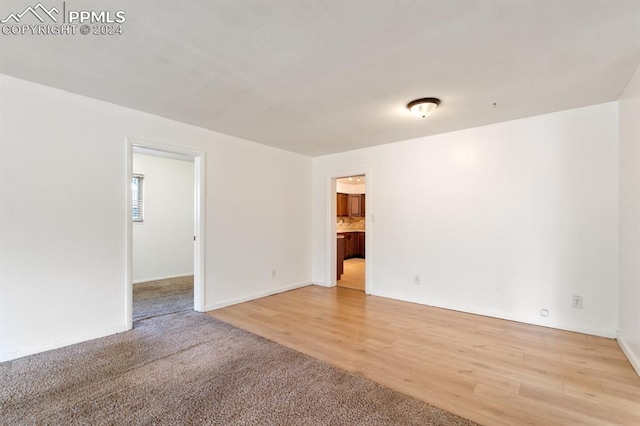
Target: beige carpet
(162, 297)
(187, 368)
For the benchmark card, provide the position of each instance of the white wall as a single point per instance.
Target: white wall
(163, 242)
(502, 220)
(63, 195)
(629, 112)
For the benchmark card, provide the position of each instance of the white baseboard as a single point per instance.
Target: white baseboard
(610, 334)
(631, 356)
(161, 278)
(62, 343)
(254, 296)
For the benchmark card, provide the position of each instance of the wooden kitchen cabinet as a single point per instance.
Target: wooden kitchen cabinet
(342, 204)
(340, 257)
(360, 250)
(349, 244)
(350, 205)
(356, 205)
(353, 244)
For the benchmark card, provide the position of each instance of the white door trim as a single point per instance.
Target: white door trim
(199, 159)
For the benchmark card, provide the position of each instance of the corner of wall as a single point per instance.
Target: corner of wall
(254, 296)
(629, 220)
(631, 356)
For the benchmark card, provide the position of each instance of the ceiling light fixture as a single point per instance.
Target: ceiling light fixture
(423, 107)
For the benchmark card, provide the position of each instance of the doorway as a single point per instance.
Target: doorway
(350, 222)
(165, 217)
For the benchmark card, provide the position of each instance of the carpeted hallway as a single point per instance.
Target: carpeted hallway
(161, 297)
(188, 368)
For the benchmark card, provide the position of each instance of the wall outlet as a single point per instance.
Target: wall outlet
(273, 273)
(576, 302)
(544, 313)
(416, 279)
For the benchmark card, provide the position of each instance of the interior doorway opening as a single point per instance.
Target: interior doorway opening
(163, 226)
(165, 217)
(350, 219)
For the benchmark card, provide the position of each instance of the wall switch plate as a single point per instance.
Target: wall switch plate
(576, 302)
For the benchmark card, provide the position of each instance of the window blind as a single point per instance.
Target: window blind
(136, 194)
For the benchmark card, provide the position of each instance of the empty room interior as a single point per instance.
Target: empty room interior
(320, 212)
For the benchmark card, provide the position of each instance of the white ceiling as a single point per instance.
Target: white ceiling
(353, 180)
(318, 77)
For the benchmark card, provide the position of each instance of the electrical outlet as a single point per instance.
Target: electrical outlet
(416, 279)
(273, 273)
(544, 313)
(576, 302)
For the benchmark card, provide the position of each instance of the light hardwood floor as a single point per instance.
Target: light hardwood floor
(488, 370)
(353, 276)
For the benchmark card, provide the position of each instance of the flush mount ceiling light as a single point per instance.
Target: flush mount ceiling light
(423, 107)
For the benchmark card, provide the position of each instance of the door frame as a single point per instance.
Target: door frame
(331, 213)
(199, 160)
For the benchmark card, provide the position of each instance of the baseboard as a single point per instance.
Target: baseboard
(610, 334)
(254, 296)
(631, 356)
(162, 278)
(60, 344)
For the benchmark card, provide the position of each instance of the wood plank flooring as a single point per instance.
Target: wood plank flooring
(492, 371)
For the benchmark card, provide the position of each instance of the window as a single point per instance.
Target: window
(136, 193)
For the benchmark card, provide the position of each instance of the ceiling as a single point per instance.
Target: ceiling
(353, 180)
(319, 77)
